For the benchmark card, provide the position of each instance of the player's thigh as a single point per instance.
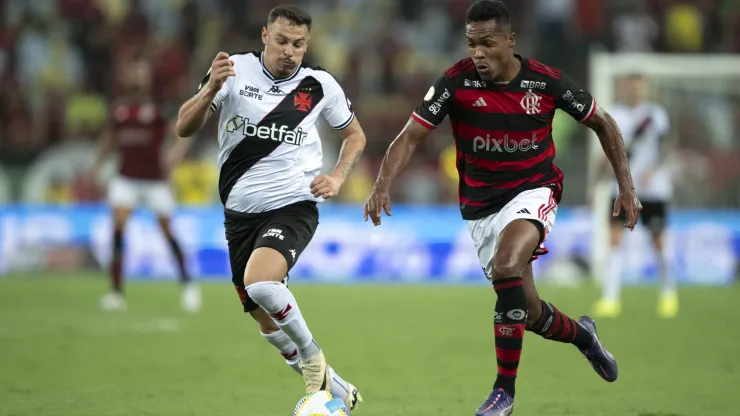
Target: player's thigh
(241, 234)
(654, 217)
(159, 198)
(484, 233)
(289, 230)
(123, 196)
(616, 225)
(524, 223)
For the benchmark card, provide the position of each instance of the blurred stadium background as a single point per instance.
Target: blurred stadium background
(59, 61)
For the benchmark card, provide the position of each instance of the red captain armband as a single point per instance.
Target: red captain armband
(423, 122)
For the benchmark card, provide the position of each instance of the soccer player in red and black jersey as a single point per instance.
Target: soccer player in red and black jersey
(501, 106)
(138, 131)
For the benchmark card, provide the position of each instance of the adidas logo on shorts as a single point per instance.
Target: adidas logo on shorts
(524, 211)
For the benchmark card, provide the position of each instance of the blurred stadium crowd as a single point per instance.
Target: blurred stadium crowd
(59, 61)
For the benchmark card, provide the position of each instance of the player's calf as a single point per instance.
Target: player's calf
(557, 326)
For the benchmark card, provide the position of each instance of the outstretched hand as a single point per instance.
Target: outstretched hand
(628, 202)
(376, 202)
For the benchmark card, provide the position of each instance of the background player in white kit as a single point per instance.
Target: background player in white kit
(645, 127)
(269, 159)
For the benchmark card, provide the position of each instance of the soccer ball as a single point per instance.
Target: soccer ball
(321, 403)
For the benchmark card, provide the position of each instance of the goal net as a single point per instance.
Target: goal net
(701, 94)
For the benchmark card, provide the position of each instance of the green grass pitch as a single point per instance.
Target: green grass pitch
(412, 350)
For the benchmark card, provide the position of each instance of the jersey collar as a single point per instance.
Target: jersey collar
(272, 78)
(515, 81)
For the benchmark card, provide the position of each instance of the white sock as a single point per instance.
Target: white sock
(288, 350)
(613, 279)
(667, 281)
(339, 387)
(286, 347)
(277, 300)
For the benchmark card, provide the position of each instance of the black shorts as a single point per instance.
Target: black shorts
(288, 230)
(654, 215)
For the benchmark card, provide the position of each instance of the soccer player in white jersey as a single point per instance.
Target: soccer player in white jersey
(645, 127)
(269, 159)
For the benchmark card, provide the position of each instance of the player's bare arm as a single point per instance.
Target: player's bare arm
(395, 161)
(179, 148)
(611, 140)
(194, 113)
(352, 147)
(105, 148)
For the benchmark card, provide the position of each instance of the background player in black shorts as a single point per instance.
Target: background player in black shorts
(646, 127)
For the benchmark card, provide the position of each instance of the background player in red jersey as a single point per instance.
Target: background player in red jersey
(138, 131)
(501, 107)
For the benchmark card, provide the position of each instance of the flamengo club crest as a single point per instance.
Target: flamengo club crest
(531, 103)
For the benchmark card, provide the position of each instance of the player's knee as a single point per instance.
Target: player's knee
(263, 292)
(265, 265)
(615, 237)
(658, 241)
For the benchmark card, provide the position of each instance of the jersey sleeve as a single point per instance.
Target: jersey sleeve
(338, 111)
(220, 97)
(436, 104)
(570, 98)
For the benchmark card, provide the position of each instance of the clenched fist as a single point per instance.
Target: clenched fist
(221, 68)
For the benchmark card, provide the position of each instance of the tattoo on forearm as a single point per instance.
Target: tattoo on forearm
(345, 167)
(607, 130)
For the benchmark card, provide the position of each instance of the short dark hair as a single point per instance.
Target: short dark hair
(484, 10)
(294, 14)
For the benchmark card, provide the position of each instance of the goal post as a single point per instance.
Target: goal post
(666, 73)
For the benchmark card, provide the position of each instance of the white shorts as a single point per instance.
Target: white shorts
(155, 195)
(536, 204)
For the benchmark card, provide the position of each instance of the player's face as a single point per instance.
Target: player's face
(635, 90)
(138, 76)
(285, 45)
(490, 47)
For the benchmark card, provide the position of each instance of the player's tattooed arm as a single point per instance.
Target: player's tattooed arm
(610, 137)
(395, 161)
(605, 127)
(352, 147)
(328, 186)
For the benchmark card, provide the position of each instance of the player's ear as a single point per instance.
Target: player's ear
(264, 35)
(512, 39)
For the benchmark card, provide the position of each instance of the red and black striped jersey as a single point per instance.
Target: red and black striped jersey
(503, 132)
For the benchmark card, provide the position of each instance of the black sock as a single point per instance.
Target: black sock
(509, 326)
(557, 326)
(180, 258)
(116, 269)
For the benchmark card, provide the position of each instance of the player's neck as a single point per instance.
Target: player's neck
(509, 70)
(274, 73)
(139, 97)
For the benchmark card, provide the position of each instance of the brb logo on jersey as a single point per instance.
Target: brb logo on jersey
(241, 125)
(490, 144)
(302, 100)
